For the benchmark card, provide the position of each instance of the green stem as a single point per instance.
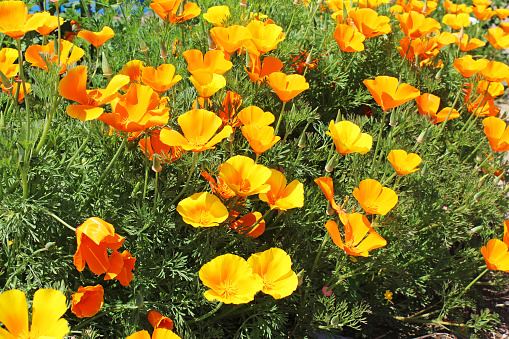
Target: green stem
(155, 194)
(60, 220)
(475, 111)
(389, 178)
(49, 118)
(256, 158)
(115, 157)
(473, 152)
(447, 118)
(191, 171)
(320, 249)
(280, 118)
(145, 160)
(82, 146)
(205, 316)
(378, 142)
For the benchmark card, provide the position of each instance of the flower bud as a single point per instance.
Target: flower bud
(106, 66)
(143, 45)
(162, 50)
(6, 82)
(479, 195)
(393, 121)
(476, 229)
(329, 167)
(180, 10)
(497, 179)
(139, 300)
(50, 246)
(231, 137)
(330, 210)
(438, 76)
(338, 116)
(300, 278)
(422, 136)
(462, 33)
(425, 7)
(212, 43)
(424, 169)
(249, 63)
(334, 321)
(156, 164)
(478, 156)
(308, 58)
(302, 140)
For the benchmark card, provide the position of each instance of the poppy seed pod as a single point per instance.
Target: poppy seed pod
(107, 71)
(329, 167)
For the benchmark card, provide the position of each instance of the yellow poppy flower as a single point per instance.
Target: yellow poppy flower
(280, 196)
(403, 162)
(348, 138)
(202, 210)
(15, 21)
(245, 177)
(374, 198)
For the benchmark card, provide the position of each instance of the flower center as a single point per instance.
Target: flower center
(228, 289)
(202, 217)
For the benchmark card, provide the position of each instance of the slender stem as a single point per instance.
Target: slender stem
(49, 118)
(477, 115)
(378, 142)
(389, 178)
(145, 160)
(317, 258)
(83, 144)
(396, 183)
(256, 158)
(473, 152)
(191, 171)
(207, 315)
(448, 115)
(60, 220)
(155, 194)
(280, 118)
(115, 157)
(404, 58)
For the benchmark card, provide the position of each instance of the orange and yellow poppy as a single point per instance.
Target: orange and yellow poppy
(87, 301)
(389, 93)
(202, 210)
(97, 39)
(374, 198)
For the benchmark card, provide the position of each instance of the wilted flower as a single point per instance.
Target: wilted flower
(87, 301)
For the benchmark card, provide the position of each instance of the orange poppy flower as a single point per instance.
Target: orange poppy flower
(213, 62)
(261, 70)
(138, 109)
(243, 224)
(228, 112)
(388, 93)
(87, 301)
(219, 187)
(483, 107)
(199, 127)
(34, 54)
(452, 8)
(467, 66)
(166, 154)
(348, 39)
(160, 79)
(495, 71)
(157, 320)
(167, 10)
(7, 65)
(207, 83)
(264, 37)
(49, 25)
(502, 13)
(160, 333)
(428, 105)
(287, 87)
(413, 6)
(94, 236)
(217, 15)
(371, 3)
(492, 89)
(456, 21)
(121, 267)
(260, 139)
(12, 91)
(253, 115)
(133, 69)
(404, 163)
(369, 23)
(415, 25)
(230, 39)
(356, 242)
(497, 38)
(97, 39)
(374, 198)
(202, 210)
(280, 196)
(348, 138)
(496, 255)
(245, 177)
(466, 45)
(15, 21)
(483, 12)
(327, 187)
(497, 134)
(73, 87)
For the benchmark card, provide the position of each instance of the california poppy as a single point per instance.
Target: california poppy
(374, 198)
(207, 83)
(491, 89)
(94, 236)
(69, 55)
(254, 115)
(245, 223)
(153, 145)
(483, 12)
(137, 110)
(217, 15)
(229, 109)
(260, 71)
(483, 107)
(168, 10)
(133, 69)
(12, 91)
(218, 187)
(47, 309)
(280, 196)
(202, 210)
(428, 105)
(369, 23)
(497, 38)
(121, 267)
(7, 65)
(199, 127)
(274, 266)
(389, 93)
(157, 320)
(415, 25)
(49, 25)
(495, 71)
(467, 66)
(264, 37)
(213, 62)
(456, 21)
(348, 138)
(356, 242)
(260, 138)
(497, 133)
(97, 39)
(287, 87)
(231, 280)
(404, 163)
(159, 333)
(230, 39)
(160, 79)
(496, 255)
(466, 44)
(73, 87)
(348, 39)
(327, 187)
(15, 21)
(245, 177)
(453, 8)
(87, 301)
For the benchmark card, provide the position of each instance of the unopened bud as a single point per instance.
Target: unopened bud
(300, 278)
(478, 156)
(162, 50)
(308, 59)
(334, 321)
(249, 62)
(462, 33)
(143, 45)
(231, 137)
(302, 140)
(107, 71)
(338, 116)
(5, 81)
(438, 76)
(497, 179)
(424, 169)
(50, 246)
(330, 211)
(425, 7)
(331, 163)
(393, 121)
(212, 43)
(156, 164)
(420, 139)
(479, 195)
(139, 300)
(180, 10)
